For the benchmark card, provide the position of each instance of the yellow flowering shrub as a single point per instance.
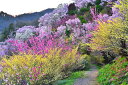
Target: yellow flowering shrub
(38, 69)
(123, 8)
(58, 64)
(108, 36)
(21, 67)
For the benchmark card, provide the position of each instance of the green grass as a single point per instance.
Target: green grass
(71, 79)
(115, 73)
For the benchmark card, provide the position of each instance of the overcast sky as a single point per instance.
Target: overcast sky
(16, 7)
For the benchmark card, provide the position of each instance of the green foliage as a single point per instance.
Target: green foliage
(88, 16)
(99, 8)
(6, 32)
(72, 12)
(84, 64)
(65, 82)
(67, 32)
(76, 75)
(82, 19)
(89, 5)
(115, 73)
(106, 10)
(98, 2)
(97, 60)
(83, 10)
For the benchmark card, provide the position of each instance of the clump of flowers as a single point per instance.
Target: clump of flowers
(21, 68)
(38, 69)
(25, 32)
(38, 45)
(51, 18)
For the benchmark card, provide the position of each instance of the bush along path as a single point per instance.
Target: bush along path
(90, 79)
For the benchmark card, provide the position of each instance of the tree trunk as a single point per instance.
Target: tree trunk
(123, 48)
(106, 59)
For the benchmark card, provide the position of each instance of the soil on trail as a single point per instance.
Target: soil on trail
(90, 79)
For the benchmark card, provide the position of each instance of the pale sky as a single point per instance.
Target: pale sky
(16, 7)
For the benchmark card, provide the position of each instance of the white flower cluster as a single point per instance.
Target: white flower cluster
(25, 32)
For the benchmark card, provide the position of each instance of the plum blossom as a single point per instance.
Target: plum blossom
(44, 31)
(71, 23)
(51, 18)
(61, 29)
(82, 3)
(25, 32)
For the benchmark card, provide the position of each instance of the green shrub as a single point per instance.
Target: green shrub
(82, 19)
(107, 10)
(83, 10)
(89, 4)
(99, 60)
(72, 12)
(114, 74)
(6, 32)
(98, 2)
(88, 16)
(67, 32)
(99, 8)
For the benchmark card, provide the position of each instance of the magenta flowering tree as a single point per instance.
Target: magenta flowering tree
(93, 13)
(37, 45)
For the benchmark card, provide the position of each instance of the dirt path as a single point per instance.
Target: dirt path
(90, 79)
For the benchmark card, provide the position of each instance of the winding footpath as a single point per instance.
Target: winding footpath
(90, 79)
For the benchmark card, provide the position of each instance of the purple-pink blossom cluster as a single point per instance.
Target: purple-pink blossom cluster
(37, 45)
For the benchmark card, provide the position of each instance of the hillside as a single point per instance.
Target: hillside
(81, 43)
(6, 19)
